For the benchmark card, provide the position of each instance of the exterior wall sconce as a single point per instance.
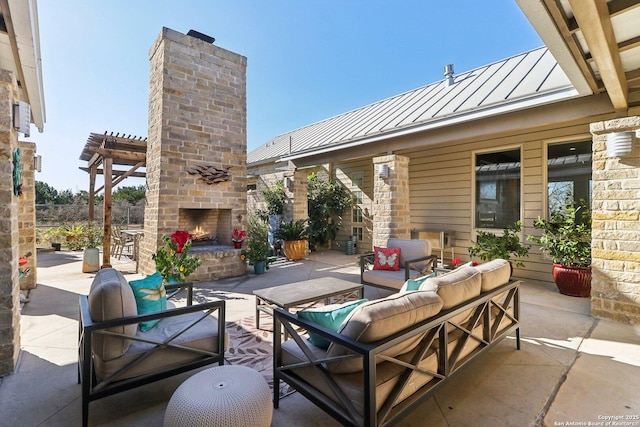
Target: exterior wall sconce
(383, 171)
(288, 183)
(22, 118)
(620, 143)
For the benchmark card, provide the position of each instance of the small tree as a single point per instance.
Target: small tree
(274, 197)
(327, 201)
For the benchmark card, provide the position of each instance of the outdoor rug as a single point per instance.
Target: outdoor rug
(253, 348)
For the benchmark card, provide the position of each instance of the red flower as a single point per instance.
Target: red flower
(455, 262)
(180, 238)
(238, 235)
(475, 264)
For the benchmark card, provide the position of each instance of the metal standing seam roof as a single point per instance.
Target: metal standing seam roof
(528, 79)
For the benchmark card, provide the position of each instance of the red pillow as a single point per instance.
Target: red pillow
(386, 258)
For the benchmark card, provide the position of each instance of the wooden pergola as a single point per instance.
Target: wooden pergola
(103, 152)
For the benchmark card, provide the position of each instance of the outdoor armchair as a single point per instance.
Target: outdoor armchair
(114, 355)
(415, 260)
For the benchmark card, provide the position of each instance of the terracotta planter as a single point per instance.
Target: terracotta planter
(295, 249)
(573, 281)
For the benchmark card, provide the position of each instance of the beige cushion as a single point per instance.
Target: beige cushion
(201, 336)
(388, 278)
(456, 287)
(381, 318)
(111, 297)
(494, 273)
(411, 249)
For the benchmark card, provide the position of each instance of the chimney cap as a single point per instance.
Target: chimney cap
(198, 35)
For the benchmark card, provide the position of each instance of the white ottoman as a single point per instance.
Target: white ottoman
(221, 396)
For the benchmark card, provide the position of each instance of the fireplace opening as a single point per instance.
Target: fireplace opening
(207, 227)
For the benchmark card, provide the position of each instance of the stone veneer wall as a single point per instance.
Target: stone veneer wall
(615, 285)
(27, 214)
(391, 207)
(197, 116)
(9, 236)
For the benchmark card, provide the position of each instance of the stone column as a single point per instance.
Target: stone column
(300, 196)
(391, 215)
(615, 285)
(27, 214)
(9, 236)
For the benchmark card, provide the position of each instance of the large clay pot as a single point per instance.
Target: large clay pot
(295, 249)
(90, 260)
(573, 281)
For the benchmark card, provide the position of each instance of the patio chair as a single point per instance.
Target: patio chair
(414, 260)
(114, 355)
(120, 242)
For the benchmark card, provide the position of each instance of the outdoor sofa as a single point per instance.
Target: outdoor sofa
(114, 355)
(415, 260)
(390, 355)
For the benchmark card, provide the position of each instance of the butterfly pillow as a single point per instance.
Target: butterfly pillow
(386, 258)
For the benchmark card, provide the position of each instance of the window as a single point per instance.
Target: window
(497, 188)
(568, 173)
(356, 214)
(357, 179)
(357, 233)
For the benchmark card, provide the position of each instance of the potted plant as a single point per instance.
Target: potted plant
(74, 236)
(566, 239)
(490, 246)
(237, 237)
(294, 235)
(55, 235)
(257, 243)
(91, 239)
(173, 261)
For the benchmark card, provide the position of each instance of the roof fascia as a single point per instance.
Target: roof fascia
(25, 40)
(542, 21)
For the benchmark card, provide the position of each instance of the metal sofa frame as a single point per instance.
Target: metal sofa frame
(503, 301)
(93, 389)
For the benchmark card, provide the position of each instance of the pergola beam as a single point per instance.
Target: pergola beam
(595, 22)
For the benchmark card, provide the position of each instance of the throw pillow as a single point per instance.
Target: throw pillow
(330, 316)
(150, 297)
(414, 284)
(386, 258)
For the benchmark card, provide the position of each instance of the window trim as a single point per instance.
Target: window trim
(584, 137)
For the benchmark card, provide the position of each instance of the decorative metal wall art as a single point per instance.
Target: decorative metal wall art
(210, 174)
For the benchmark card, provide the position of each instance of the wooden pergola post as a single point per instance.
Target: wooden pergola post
(106, 214)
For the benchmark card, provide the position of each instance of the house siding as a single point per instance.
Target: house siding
(441, 186)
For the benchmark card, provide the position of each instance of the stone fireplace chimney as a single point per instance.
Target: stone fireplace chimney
(197, 150)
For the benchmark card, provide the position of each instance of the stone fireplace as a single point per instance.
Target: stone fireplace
(206, 226)
(196, 152)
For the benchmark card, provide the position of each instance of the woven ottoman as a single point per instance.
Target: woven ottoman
(221, 396)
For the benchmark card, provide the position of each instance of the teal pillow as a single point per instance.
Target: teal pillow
(150, 297)
(414, 284)
(330, 316)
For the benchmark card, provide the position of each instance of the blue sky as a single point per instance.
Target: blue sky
(307, 60)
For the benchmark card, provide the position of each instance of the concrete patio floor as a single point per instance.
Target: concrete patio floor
(572, 369)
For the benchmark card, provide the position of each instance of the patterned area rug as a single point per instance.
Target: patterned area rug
(253, 348)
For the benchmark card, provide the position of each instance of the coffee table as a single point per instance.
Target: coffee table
(325, 289)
